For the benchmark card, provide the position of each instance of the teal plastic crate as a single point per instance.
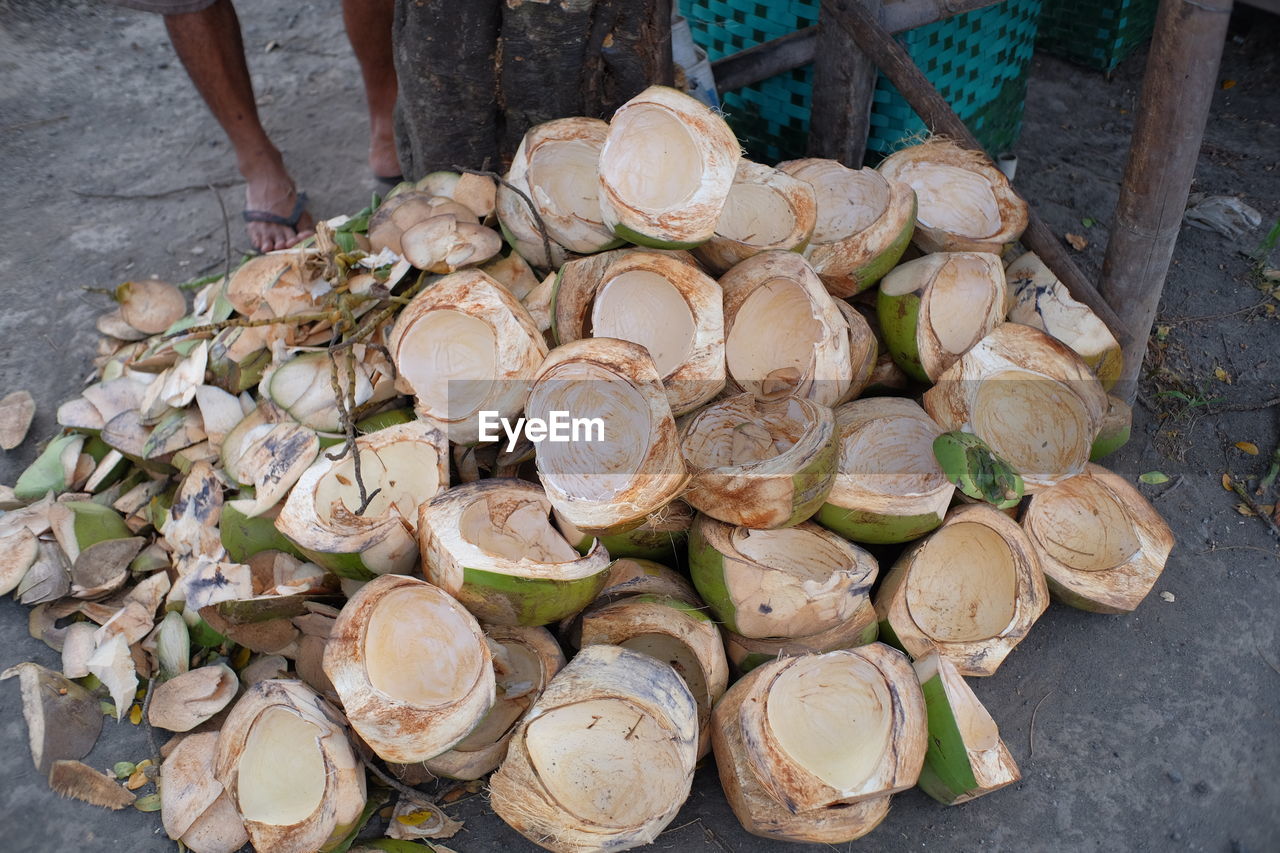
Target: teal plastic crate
(1096, 33)
(978, 61)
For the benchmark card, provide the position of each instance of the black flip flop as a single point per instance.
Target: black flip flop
(290, 221)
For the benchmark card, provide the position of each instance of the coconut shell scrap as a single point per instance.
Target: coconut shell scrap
(16, 411)
(63, 719)
(81, 782)
(184, 702)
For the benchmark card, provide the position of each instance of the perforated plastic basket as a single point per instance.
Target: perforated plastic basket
(977, 60)
(1096, 33)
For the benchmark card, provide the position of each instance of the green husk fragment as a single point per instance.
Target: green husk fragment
(47, 473)
(534, 601)
(976, 469)
(96, 523)
(243, 537)
(706, 567)
(947, 774)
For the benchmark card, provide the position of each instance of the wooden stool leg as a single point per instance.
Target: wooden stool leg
(1177, 89)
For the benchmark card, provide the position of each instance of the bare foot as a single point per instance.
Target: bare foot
(271, 189)
(383, 159)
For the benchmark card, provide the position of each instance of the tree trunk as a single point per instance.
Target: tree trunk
(446, 61)
(476, 74)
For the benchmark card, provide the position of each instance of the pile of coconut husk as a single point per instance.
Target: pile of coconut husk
(841, 454)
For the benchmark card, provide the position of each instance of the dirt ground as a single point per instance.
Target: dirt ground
(1152, 731)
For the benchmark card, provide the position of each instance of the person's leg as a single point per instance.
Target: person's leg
(209, 44)
(368, 25)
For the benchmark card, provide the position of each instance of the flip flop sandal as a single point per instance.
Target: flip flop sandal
(290, 221)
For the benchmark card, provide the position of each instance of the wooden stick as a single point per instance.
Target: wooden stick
(844, 83)
(1177, 90)
(897, 65)
(795, 50)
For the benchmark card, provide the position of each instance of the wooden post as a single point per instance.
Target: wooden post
(1177, 90)
(897, 65)
(844, 82)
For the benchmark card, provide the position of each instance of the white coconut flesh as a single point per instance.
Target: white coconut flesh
(1036, 424)
(958, 295)
(563, 176)
(808, 559)
(756, 214)
(892, 455)
(725, 437)
(606, 761)
(526, 533)
(419, 652)
(962, 586)
(1081, 525)
(406, 475)
(952, 199)
(671, 650)
(281, 774)
(659, 167)
(594, 470)
(848, 202)
(449, 358)
(778, 311)
(643, 307)
(518, 686)
(832, 715)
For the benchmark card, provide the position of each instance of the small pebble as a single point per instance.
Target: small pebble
(1168, 596)
(1174, 776)
(1201, 788)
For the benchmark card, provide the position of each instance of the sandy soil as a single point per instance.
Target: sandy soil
(1152, 731)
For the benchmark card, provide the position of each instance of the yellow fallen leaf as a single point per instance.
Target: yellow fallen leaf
(135, 714)
(1228, 84)
(1226, 482)
(1077, 242)
(1248, 447)
(1222, 375)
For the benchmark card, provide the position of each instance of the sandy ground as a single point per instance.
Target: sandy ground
(1153, 731)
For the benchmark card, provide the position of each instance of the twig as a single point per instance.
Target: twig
(1238, 487)
(162, 194)
(151, 733)
(392, 782)
(1031, 732)
(1178, 321)
(27, 125)
(1273, 470)
(1178, 481)
(226, 231)
(537, 217)
(240, 323)
(1243, 407)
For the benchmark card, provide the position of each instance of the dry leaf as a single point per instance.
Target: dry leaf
(1222, 375)
(82, 782)
(1077, 241)
(16, 412)
(1226, 482)
(77, 647)
(1245, 510)
(1247, 447)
